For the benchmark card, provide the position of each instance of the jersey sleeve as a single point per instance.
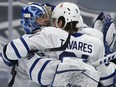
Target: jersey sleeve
(42, 70)
(19, 48)
(15, 50)
(101, 51)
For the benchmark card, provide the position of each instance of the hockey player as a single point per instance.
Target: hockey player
(33, 18)
(106, 25)
(83, 28)
(57, 23)
(65, 17)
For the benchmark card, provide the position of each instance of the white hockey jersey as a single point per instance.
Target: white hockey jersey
(22, 78)
(80, 45)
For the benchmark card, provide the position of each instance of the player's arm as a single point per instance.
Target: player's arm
(13, 51)
(47, 71)
(42, 70)
(6, 60)
(20, 47)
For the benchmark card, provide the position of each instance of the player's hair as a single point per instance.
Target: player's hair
(71, 26)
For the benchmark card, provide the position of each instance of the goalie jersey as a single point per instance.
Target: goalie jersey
(81, 46)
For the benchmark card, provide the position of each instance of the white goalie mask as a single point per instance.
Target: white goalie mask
(69, 11)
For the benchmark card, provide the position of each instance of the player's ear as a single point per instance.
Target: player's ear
(61, 22)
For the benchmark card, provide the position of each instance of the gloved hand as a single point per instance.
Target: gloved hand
(102, 21)
(106, 24)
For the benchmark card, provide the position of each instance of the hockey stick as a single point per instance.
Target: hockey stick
(63, 47)
(106, 59)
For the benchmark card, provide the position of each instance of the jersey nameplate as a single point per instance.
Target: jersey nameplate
(81, 46)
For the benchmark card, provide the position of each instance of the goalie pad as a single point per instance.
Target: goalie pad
(74, 72)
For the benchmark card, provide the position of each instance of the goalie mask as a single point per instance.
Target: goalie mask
(30, 14)
(69, 11)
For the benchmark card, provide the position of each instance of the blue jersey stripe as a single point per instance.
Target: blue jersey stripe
(41, 70)
(32, 67)
(66, 54)
(8, 63)
(15, 49)
(76, 34)
(108, 77)
(5, 57)
(25, 44)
